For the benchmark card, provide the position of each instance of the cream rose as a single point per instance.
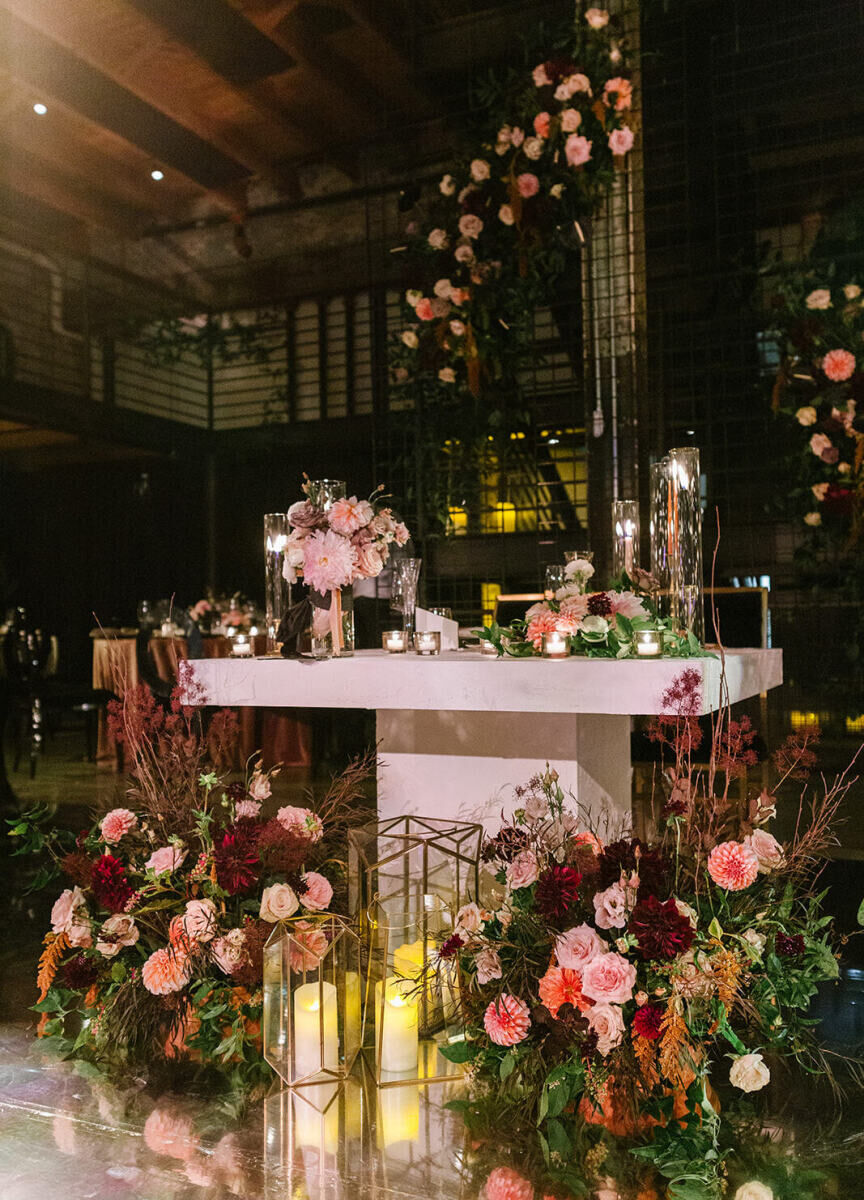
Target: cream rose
(607, 1022)
(749, 1073)
(767, 849)
(754, 1190)
(479, 170)
(469, 918)
(278, 902)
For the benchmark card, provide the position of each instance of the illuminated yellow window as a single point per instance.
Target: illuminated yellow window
(855, 724)
(458, 521)
(501, 518)
(489, 593)
(801, 720)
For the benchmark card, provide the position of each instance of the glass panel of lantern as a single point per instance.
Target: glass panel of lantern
(312, 999)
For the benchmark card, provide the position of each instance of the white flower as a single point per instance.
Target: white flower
(533, 148)
(447, 375)
(851, 291)
(754, 1190)
(686, 911)
(749, 1073)
(579, 568)
(813, 518)
(413, 297)
(806, 415)
(410, 339)
(447, 186)
(755, 939)
(479, 170)
(594, 628)
(505, 215)
(437, 239)
(597, 18)
(278, 902)
(820, 298)
(557, 190)
(443, 288)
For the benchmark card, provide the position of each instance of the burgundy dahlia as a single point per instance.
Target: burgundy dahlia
(79, 972)
(557, 889)
(660, 930)
(789, 945)
(629, 855)
(599, 604)
(236, 859)
(236, 791)
(110, 886)
(647, 1021)
(449, 948)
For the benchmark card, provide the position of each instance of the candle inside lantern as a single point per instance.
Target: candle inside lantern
(428, 642)
(316, 1031)
(399, 1040)
(394, 641)
(556, 645)
(649, 643)
(241, 646)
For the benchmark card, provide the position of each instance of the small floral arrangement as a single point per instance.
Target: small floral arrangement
(597, 624)
(610, 981)
(156, 944)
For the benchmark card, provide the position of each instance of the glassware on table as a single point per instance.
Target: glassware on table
(406, 573)
(572, 555)
(277, 589)
(442, 611)
(574, 577)
(323, 492)
(625, 536)
(145, 613)
(322, 642)
(555, 579)
(676, 538)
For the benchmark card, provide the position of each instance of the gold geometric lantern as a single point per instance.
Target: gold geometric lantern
(312, 999)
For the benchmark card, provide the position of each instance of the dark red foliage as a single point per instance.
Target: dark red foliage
(136, 718)
(559, 68)
(110, 886)
(629, 855)
(660, 930)
(449, 948)
(281, 850)
(599, 604)
(79, 972)
(78, 867)
(647, 1021)
(236, 858)
(838, 501)
(675, 806)
(795, 757)
(236, 791)
(735, 752)
(789, 945)
(557, 889)
(251, 971)
(505, 845)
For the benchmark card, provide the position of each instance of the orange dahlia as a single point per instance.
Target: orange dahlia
(560, 986)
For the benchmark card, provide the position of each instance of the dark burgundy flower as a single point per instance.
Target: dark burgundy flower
(282, 851)
(559, 68)
(838, 500)
(450, 947)
(251, 971)
(236, 791)
(647, 1021)
(789, 945)
(505, 845)
(236, 859)
(78, 867)
(79, 972)
(557, 889)
(660, 930)
(110, 886)
(675, 806)
(629, 855)
(599, 604)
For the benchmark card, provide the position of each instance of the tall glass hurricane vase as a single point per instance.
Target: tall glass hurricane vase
(659, 531)
(322, 492)
(277, 590)
(684, 536)
(625, 536)
(406, 574)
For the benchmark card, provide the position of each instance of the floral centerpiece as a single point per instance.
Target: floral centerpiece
(612, 982)
(332, 545)
(156, 943)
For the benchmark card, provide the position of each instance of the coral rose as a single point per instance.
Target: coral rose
(575, 948)
(166, 971)
(749, 1073)
(607, 1021)
(733, 866)
(541, 124)
(319, 891)
(116, 824)
(506, 1184)
(278, 902)
(622, 89)
(621, 141)
(424, 309)
(838, 365)
(559, 987)
(507, 1020)
(609, 979)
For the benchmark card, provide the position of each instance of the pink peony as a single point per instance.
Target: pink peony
(488, 965)
(571, 119)
(838, 365)
(576, 947)
(319, 891)
(470, 226)
(623, 91)
(560, 986)
(247, 808)
(307, 947)
(507, 1020)
(609, 979)
(610, 907)
(528, 185)
(167, 858)
(301, 820)
(117, 932)
(541, 124)
(621, 141)
(523, 870)
(577, 149)
(166, 971)
(199, 920)
(767, 849)
(424, 309)
(541, 79)
(607, 1022)
(347, 516)
(328, 562)
(116, 824)
(229, 951)
(733, 866)
(504, 1183)
(628, 604)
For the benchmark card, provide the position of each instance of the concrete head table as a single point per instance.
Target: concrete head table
(458, 730)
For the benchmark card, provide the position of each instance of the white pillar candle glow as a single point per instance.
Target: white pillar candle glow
(428, 642)
(649, 643)
(556, 645)
(316, 1031)
(394, 641)
(399, 1040)
(241, 647)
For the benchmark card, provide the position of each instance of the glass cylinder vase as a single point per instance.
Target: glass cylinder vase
(323, 492)
(682, 526)
(277, 589)
(331, 633)
(625, 536)
(406, 574)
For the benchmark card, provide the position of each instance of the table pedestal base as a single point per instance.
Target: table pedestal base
(466, 764)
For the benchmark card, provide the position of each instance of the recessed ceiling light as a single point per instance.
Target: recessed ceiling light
(40, 109)
(157, 175)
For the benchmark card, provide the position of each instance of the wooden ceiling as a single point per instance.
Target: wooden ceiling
(224, 97)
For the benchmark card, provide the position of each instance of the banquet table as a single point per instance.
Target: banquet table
(456, 731)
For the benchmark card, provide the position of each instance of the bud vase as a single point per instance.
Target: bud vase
(332, 628)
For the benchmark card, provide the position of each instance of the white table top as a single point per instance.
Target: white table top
(466, 681)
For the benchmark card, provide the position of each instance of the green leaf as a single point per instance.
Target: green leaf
(118, 972)
(508, 1063)
(715, 929)
(861, 913)
(458, 1052)
(559, 1140)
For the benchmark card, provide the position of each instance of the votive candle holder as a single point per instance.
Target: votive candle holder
(427, 642)
(394, 641)
(556, 645)
(648, 642)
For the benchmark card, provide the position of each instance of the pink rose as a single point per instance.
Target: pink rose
(577, 149)
(575, 948)
(116, 824)
(469, 918)
(522, 871)
(370, 561)
(517, 136)
(767, 849)
(609, 979)
(607, 1022)
(839, 365)
(610, 907)
(118, 931)
(168, 858)
(301, 820)
(278, 902)
(488, 965)
(621, 141)
(304, 515)
(528, 185)
(541, 124)
(229, 951)
(622, 89)
(401, 534)
(319, 891)
(424, 309)
(541, 79)
(199, 920)
(571, 119)
(819, 443)
(307, 946)
(65, 907)
(79, 931)
(437, 239)
(347, 516)
(167, 1132)
(470, 226)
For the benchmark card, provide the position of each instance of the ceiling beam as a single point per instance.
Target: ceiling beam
(395, 71)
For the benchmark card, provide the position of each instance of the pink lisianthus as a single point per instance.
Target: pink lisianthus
(622, 89)
(541, 124)
(259, 786)
(767, 849)
(504, 1183)
(577, 149)
(167, 858)
(607, 1021)
(488, 965)
(628, 604)
(609, 979)
(301, 820)
(116, 824)
(329, 561)
(166, 971)
(523, 870)
(733, 866)
(528, 185)
(319, 891)
(610, 907)
(839, 365)
(575, 948)
(229, 951)
(424, 309)
(507, 1020)
(621, 141)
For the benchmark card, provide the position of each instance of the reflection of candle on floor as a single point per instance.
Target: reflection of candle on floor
(398, 1033)
(315, 1113)
(398, 1115)
(316, 1033)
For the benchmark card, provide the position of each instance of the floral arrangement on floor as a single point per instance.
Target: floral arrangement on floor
(597, 624)
(155, 948)
(613, 982)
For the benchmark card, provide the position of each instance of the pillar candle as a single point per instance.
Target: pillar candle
(398, 1032)
(314, 1023)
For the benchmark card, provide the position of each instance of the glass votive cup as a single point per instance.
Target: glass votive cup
(489, 649)
(394, 641)
(648, 642)
(556, 645)
(572, 555)
(427, 642)
(241, 647)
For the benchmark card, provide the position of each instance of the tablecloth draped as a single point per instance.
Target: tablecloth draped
(279, 736)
